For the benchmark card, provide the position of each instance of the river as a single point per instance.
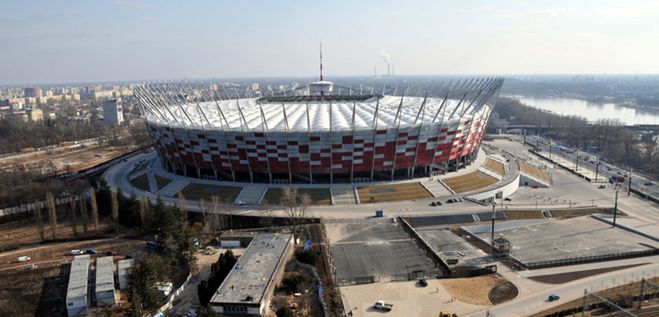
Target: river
(591, 111)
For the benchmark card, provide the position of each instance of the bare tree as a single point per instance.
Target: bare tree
(182, 207)
(94, 205)
(85, 216)
(52, 213)
(296, 207)
(114, 201)
(39, 218)
(144, 211)
(74, 218)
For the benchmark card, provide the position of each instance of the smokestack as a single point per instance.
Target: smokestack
(387, 59)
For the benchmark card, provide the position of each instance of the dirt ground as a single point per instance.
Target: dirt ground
(408, 298)
(66, 159)
(473, 290)
(26, 232)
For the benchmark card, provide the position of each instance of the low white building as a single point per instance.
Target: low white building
(105, 295)
(123, 270)
(76, 292)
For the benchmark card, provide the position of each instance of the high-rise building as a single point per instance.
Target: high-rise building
(113, 112)
(32, 92)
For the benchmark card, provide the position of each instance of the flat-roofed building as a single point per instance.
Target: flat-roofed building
(248, 288)
(123, 270)
(105, 295)
(76, 292)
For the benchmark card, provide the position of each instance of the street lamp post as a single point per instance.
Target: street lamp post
(629, 186)
(494, 206)
(597, 168)
(550, 148)
(576, 168)
(615, 209)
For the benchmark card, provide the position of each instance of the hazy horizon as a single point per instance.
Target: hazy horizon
(46, 42)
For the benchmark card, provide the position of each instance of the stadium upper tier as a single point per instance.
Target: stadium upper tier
(258, 114)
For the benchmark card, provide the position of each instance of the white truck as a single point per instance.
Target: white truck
(24, 258)
(381, 305)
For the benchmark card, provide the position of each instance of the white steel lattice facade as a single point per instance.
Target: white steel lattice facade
(317, 139)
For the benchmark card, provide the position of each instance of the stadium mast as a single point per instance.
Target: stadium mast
(321, 61)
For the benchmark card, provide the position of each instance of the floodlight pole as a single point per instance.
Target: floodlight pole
(629, 187)
(494, 206)
(615, 209)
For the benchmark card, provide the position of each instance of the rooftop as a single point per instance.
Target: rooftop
(78, 277)
(247, 282)
(304, 113)
(104, 274)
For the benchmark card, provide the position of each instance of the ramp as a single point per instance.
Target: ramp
(436, 188)
(173, 187)
(251, 194)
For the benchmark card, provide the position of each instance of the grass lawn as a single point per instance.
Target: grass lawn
(319, 196)
(227, 194)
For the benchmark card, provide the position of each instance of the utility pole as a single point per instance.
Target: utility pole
(597, 168)
(524, 137)
(576, 168)
(629, 186)
(640, 296)
(550, 148)
(583, 302)
(494, 213)
(615, 209)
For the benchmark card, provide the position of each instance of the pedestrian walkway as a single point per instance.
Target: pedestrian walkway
(343, 195)
(174, 187)
(251, 194)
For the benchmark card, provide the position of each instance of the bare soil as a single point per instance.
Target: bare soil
(473, 290)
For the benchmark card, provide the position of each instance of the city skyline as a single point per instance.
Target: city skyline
(127, 40)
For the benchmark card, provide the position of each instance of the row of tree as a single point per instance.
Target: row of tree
(219, 271)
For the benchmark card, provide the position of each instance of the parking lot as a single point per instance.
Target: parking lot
(570, 239)
(374, 249)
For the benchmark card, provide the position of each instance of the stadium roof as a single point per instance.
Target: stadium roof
(185, 107)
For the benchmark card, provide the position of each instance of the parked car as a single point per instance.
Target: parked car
(423, 282)
(433, 204)
(240, 202)
(439, 203)
(553, 297)
(507, 199)
(381, 305)
(91, 251)
(601, 186)
(648, 183)
(76, 252)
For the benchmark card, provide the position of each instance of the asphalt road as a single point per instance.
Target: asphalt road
(589, 161)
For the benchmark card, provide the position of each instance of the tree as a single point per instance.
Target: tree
(115, 206)
(145, 274)
(94, 205)
(182, 209)
(74, 218)
(83, 213)
(39, 219)
(296, 207)
(52, 214)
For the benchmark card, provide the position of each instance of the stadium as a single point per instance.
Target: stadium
(318, 134)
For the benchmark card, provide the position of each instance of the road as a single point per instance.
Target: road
(589, 161)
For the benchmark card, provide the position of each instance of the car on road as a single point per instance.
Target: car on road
(24, 258)
(423, 282)
(601, 186)
(553, 297)
(240, 203)
(507, 199)
(648, 183)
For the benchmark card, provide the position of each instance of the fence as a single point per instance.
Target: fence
(424, 246)
(415, 275)
(357, 280)
(170, 299)
(586, 259)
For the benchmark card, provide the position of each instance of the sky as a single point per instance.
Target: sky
(116, 40)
